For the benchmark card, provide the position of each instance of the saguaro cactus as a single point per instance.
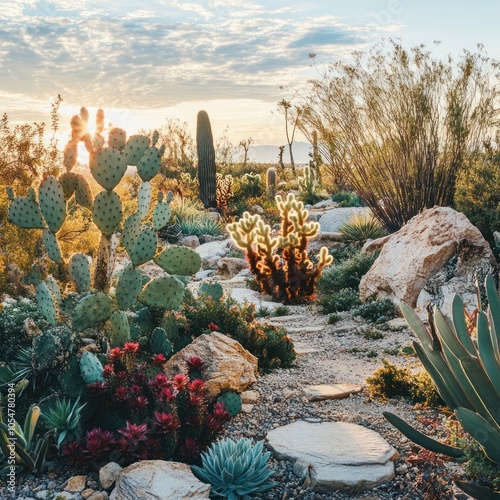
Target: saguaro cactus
(206, 161)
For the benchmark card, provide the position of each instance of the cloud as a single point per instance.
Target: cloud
(128, 54)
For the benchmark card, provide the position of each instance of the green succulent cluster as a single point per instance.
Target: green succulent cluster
(235, 469)
(93, 303)
(466, 371)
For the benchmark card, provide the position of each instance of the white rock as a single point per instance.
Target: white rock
(244, 294)
(335, 455)
(333, 391)
(227, 365)
(211, 252)
(157, 479)
(334, 219)
(231, 266)
(247, 408)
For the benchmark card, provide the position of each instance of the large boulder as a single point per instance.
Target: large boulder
(334, 219)
(228, 366)
(154, 479)
(231, 266)
(436, 254)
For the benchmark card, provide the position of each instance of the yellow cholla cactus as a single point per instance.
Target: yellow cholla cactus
(280, 263)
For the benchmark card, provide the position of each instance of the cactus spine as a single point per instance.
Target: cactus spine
(206, 161)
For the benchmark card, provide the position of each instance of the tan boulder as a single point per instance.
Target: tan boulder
(228, 366)
(439, 247)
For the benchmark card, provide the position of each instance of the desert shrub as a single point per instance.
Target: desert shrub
(477, 194)
(391, 381)
(269, 343)
(347, 273)
(334, 318)
(250, 186)
(13, 335)
(343, 300)
(377, 311)
(347, 199)
(362, 227)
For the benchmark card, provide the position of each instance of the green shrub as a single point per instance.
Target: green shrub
(391, 381)
(334, 318)
(13, 335)
(346, 274)
(477, 194)
(362, 227)
(378, 311)
(343, 300)
(347, 199)
(281, 311)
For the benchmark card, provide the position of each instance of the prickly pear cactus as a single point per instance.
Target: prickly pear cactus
(213, 290)
(52, 203)
(232, 401)
(92, 310)
(179, 260)
(163, 293)
(46, 303)
(107, 212)
(79, 272)
(144, 247)
(129, 287)
(118, 329)
(52, 246)
(91, 368)
(159, 343)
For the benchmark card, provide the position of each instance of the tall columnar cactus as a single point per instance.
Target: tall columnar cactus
(280, 263)
(271, 181)
(90, 305)
(206, 161)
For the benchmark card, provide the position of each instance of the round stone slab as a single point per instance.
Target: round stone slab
(337, 455)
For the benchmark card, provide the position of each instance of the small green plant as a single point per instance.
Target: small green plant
(334, 318)
(373, 334)
(372, 354)
(281, 311)
(390, 381)
(235, 469)
(343, 300)
(263, 312)
(362, 227)
(64, 418)
(347, 199)
(378, 311)
(309, 187)
(250, 186)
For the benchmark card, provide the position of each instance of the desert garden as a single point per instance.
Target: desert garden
(176, 323)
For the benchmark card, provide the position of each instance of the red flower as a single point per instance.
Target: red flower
(194, 363)
(158, 359)
(181, 381)
(135, 390)
(166, 421)
(121, 393)
(139, 403)
(190, 449)
(213, 327)
(131, 347)
(160, 381)
(98, 443)
(121, 375)
(197, 385)
(168, 394)
(219, 411)
(115, 354)
(214, 425)
(134, 432)
(108, 370)
(196, 399)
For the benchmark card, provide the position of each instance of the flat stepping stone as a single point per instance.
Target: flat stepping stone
(334, 391)
(286, 319)
(306, 329)
(242, 295)
(335, 455)
(302, 350)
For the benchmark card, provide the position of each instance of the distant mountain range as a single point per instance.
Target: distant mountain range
(270, 154)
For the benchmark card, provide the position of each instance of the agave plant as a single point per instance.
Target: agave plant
(64, 418)
(30, 453)
(362, 227)
(235, 469)
(466, 372)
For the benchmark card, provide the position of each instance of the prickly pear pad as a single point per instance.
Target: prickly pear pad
(163, 293)
(52, 203)
(109, 167)
(83, 194)
(79, 272)
(91, 368)
(145, 247)
(46, 303)
(107, 212)
(118, 329)
(179, 260)
(135, 147)
(129, 287)
(52, 246)
(92, 310)
(131, 230)
(149, 164)
(24, 212)
(68, 181)
(144, 200)
(161, 215)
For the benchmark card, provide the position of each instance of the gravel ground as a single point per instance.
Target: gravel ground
(342, 355)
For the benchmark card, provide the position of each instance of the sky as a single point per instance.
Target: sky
(146, 61)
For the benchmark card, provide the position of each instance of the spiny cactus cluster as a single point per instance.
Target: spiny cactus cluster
(224, 191)
(92, 303)
(280, 263)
